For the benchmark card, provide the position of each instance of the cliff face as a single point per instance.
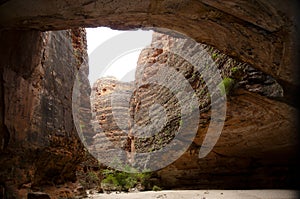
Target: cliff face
(257, 130)
(35, 91)
(39, 144)
(257, 143)
(262, 33)
(109, 121)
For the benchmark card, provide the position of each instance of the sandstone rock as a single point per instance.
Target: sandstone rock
(262, 33)
(108, 187)
(258, 127)
(258, 133)
(108, 100)
(39, 142)
(35, 91)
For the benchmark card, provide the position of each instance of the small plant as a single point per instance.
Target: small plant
(156, 188)
(234, 69)
(194, 75)
(226, 85)
(160, 141)
(214, 56)
(180, 122)
(91, 179)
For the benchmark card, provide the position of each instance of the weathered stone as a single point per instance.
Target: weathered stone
(258, 127)
(35, 106)
(261, 32)
(39, 141)
(108, 135)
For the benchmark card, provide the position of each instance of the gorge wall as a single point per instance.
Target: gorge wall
(36, 85)
(257, 144)
(262, 33)
(106, 130)
(39, 143)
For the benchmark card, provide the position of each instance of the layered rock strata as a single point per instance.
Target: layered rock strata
(256, 146)
(262, 33)
(110, 121)
(39, 143)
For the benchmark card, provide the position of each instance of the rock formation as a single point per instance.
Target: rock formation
(257, 142)
(38, 70)
(259, 32)
(39, 143)
(109, 133)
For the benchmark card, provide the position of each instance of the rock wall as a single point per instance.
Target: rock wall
(108, 135)
(39, 143)
(262, 33)
(258, 142)
(256, 146)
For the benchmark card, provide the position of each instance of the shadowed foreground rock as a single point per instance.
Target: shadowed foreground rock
(38, 195)
(37, 135)
(39, 143)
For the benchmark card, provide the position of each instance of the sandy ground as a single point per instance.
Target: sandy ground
(202, 194)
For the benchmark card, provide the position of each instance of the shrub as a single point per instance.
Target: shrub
(90, 179)
(234, 69)
(124, 180)
(156, 188)
(226, 85)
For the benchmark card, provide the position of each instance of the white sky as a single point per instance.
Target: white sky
(124, 65)
(96, 36)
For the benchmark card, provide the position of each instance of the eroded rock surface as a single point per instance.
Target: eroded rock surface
(257, 143)
(35, 91)
(39, 143)
(262, 33)
(110, 112)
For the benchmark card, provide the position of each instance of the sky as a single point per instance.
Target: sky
(114, 53)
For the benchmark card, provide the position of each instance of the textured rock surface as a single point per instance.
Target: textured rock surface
(258, 138)
(256, 149)
(257, 144)
(39, 144)
(259, 32)
(257, 129)
(262, 33)
(108, 135)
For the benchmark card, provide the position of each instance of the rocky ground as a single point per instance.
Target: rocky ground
(202, 194)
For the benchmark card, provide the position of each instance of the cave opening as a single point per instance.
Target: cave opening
(257, 148)
(239, 80)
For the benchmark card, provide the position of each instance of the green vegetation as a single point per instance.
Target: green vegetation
(92, 176)
(156, 188)
(194, 75)
(214, 56)
(226, 85)
(123, 181)
(160, 141)
(91, 179)
(234, 69)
